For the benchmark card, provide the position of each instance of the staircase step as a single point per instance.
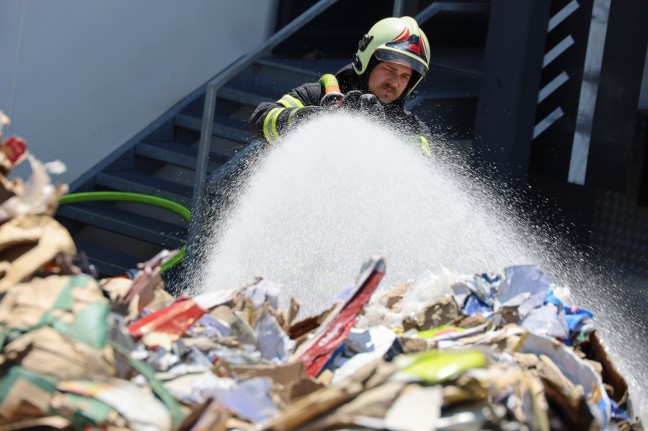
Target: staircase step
(109, 263)
(273, 77)
(136, 182)
(241, 96)
(310, 70)
(177, 154)
(220, 175)
(220, 127)
(127, 223)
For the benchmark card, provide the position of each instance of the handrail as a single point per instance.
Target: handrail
(399, 8)
(244, 61)
(73, 198)
(210, 103)
(449, 6)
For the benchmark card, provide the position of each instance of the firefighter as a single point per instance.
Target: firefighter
(391, 61)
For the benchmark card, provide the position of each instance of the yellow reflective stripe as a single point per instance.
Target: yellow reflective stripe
(330, 83)
(292, 114)
(270, 124)
(290, 102)
(425, 145)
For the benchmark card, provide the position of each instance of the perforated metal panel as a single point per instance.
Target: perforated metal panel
(620, 223)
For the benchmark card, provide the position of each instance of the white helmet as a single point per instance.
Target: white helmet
(395, 40)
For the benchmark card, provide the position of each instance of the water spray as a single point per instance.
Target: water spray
(340, 189)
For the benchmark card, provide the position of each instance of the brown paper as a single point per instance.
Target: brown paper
(543, 367)
(295, 306)
(413, 345)
(610, 373)
(312, 406)
(373, 402)
(369, 404)
(46, 351)
(470, 321)
(394, 296)
(28, 242)
(308, 324)
(25, 304)
(285, 374)
(442, 312)
(46, 423)
(329, 398)
(24, 400)
(289, 380)
(208, 416)
(572, 410)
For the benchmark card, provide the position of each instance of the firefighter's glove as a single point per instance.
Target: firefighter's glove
(350, 100)
(366, 103)
(370, 104)
(305, 113)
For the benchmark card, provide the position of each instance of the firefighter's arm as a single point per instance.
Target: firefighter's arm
(270, 120)
(422, 142)
(422, 136)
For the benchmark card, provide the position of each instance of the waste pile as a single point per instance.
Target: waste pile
(491, 352)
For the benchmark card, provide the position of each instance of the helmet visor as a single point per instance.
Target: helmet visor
(396, 57)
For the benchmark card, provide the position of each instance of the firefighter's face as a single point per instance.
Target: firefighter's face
(388, 81)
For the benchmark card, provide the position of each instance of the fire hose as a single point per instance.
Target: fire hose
(174, 207)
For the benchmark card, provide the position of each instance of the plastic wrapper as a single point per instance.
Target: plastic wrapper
(487, 351)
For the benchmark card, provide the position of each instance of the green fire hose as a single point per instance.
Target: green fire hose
(174, 207)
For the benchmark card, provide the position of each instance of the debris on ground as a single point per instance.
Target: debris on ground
(495, 351)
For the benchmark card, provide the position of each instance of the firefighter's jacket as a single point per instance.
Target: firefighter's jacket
(271, 120)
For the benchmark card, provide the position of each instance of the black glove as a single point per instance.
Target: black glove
(357, 101)
(350, 100)
(370, 104)
(306, 112)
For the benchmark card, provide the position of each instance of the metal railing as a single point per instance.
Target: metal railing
(210, 104)
(450, 6)
(245, 61)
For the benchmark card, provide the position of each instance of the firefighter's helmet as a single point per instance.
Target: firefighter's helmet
(396, 40)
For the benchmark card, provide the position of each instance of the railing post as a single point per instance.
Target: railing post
(446, 6)
(399, 8)
(210, 105)
(201, 170)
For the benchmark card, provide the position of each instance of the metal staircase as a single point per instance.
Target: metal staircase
(165, 158)
(161, 162)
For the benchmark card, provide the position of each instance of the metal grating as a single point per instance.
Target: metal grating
(620, 223)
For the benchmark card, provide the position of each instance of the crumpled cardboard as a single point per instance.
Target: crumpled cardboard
(44, 300)
(124, 354)
(130, 406)
(24, 394)
(290, 380)
(46, 351)
(28, 242)
(610, 374)
(441, 312)
(57, 326)
(326, 399)
(479, 372)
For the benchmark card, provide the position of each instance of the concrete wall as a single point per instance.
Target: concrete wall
(78, 78)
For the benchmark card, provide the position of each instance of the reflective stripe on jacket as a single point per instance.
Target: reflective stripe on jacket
(270, 119)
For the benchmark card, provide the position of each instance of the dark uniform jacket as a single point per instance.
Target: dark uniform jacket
(270, 120)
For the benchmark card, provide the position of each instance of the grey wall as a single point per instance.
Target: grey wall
(78, 78)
